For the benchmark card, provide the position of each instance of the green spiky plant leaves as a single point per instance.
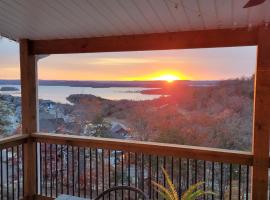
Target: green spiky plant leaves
(170, 193)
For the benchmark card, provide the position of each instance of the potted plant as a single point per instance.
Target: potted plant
(170, 193)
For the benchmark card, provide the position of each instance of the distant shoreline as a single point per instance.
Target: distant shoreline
(108, 84)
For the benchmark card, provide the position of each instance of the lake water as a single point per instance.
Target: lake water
(60, 93)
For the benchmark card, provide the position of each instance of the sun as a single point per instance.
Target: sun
(167, 77)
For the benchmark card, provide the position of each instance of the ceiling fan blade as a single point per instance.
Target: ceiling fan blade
(252, 3)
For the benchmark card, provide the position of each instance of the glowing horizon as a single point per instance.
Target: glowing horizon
(167, 77)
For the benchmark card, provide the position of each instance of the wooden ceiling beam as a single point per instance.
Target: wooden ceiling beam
(157, 41)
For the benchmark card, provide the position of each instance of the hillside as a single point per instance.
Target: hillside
(215, 115)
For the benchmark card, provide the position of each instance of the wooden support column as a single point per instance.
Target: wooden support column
(261, 120)
(29, 115)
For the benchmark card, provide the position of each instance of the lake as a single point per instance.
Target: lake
(60, 93)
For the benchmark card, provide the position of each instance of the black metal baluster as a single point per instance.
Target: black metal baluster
(62, 168)
(231, 171)
(179, 177)
(12, 172)
(79, 170)
(142, 171)
(36, 169)
(129, 173)
(247, 183)
(56, 170)
(67, 169)
(90, 160)
(97, 172)
(22, 169)
(239, 182)
(204, 178)
(102, 166)
(1, 173)
(196, 171)
(187, 181)
(221, 181)
(50, 164)
(164, 166)
(45, 170)
(122, 173)
(136, 173)
(213, 178)
(51, 168)
(150, 176)
(18, 171)
(115, 172)
(40, 168)
(172, 165)
(157, 175)
(109, 168)
(84, 173)
(7, 170)
(73, 171)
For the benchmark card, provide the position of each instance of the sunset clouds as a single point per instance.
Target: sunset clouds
(197, 64)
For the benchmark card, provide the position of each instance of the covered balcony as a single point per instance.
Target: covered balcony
(35, 165)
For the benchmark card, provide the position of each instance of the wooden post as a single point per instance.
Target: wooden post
(29, 116)
(261, 120)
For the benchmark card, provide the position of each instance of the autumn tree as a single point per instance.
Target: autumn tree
(4, 118)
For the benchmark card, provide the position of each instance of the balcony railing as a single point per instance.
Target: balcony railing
(83, 166)
(11, 167)
(86, 166)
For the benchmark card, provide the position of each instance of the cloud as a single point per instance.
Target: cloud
(120, 61)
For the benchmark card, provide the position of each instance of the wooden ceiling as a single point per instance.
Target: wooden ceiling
(63, 19)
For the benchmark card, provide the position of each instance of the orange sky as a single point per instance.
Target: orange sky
(197, 64)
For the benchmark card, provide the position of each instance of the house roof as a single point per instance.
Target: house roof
(63, 19)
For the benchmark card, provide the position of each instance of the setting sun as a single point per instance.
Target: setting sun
(168, 77)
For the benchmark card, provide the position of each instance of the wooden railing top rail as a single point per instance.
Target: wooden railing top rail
(184, 151)
(13, 140)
